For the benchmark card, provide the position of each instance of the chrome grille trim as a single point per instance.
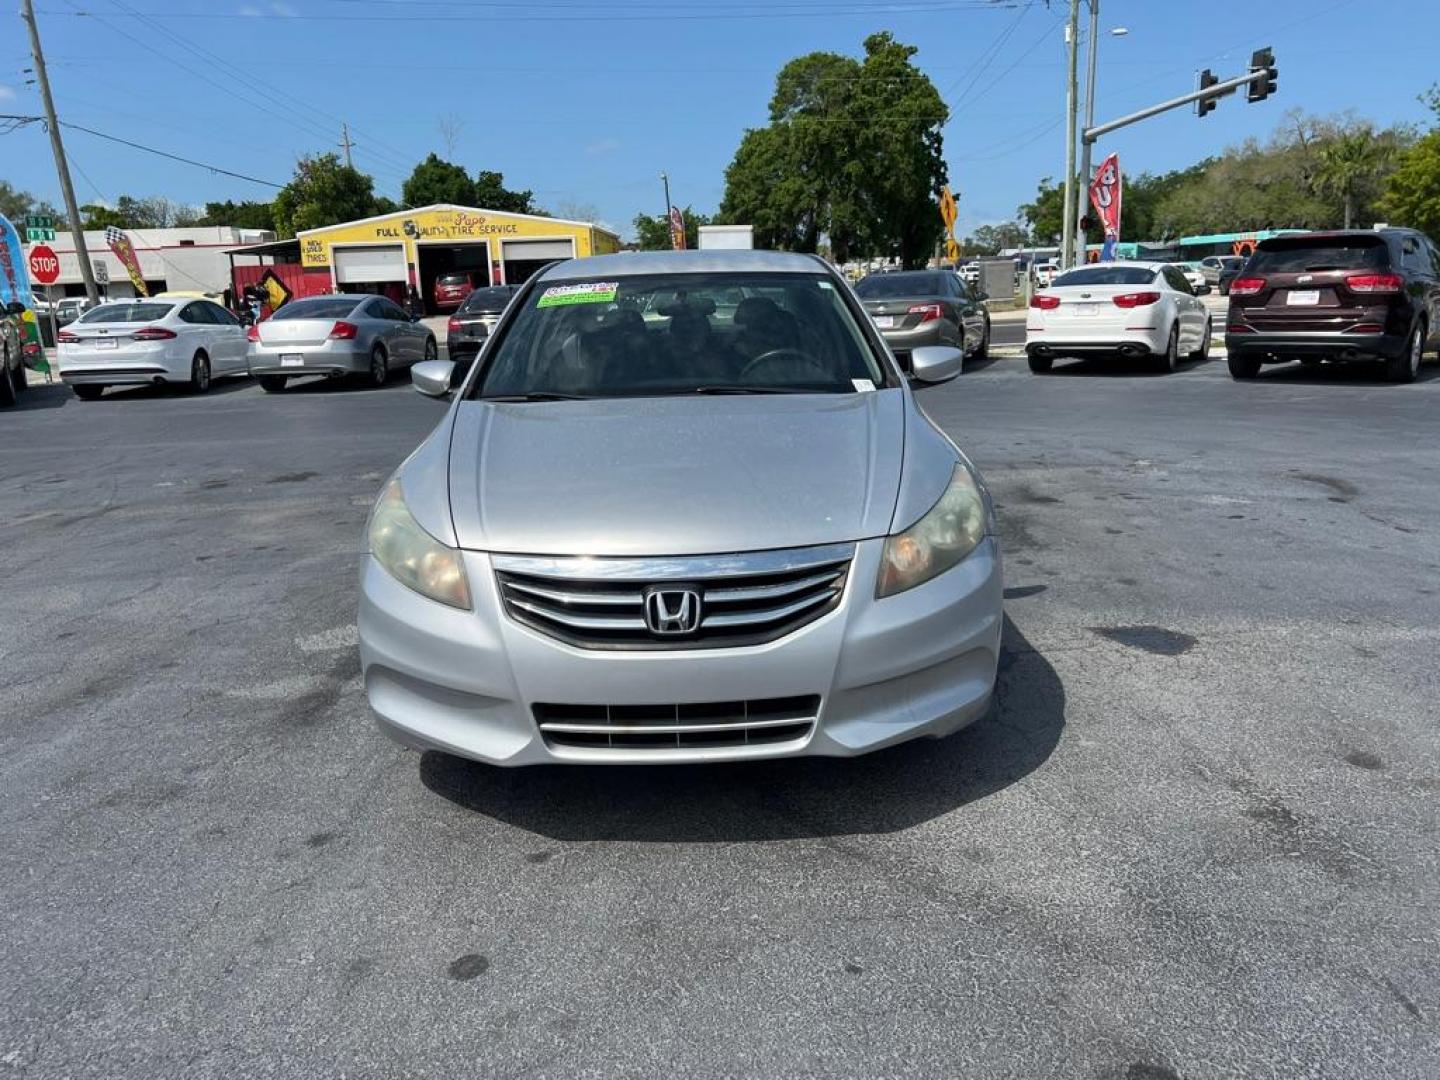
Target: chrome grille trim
(605, 728)
(745, 599)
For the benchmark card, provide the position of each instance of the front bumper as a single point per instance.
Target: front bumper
(921, 663)
(327, 358)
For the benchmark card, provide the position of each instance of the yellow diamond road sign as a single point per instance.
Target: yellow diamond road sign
(948, 211)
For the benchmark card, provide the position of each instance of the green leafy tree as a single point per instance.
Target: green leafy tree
(653, 233)
(155, 212)
(492, 194)
(323, 192)
(1351, 166)
(852, 157)
(992, 239)
(16, 204)
(241, 215)
(438, 181)
(1412, 192)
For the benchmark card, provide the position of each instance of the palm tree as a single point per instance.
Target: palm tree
(1351, 164)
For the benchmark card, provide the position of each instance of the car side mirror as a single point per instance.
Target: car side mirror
(14, 308)
(415, 318)
(982, 296)
(936, 363)
(1202, 290)
(432, 377)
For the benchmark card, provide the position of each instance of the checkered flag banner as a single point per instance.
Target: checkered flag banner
(120, 244)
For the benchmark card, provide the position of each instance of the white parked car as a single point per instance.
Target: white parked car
(1045, 273)
(1195, 275)
(144, 342)
(1129, 309)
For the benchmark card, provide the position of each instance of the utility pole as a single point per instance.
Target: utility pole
(1082, 197)
(1072, 93)
(67, 189)
(346, 144)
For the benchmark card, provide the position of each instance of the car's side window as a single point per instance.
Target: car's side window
(1416, 255)
(194, 314)
(374, 310)
(388, 310)
(1176, 280)
(220, 316)
(960, 290)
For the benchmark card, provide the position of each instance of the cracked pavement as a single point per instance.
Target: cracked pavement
(1196, 840)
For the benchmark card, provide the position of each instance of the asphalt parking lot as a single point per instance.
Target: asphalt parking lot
(1197, 840)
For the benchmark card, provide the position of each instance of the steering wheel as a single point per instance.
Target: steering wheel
(771, 355)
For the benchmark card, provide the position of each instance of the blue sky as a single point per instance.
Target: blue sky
(587, 102)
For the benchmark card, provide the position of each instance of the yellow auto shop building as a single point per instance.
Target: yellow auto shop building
(387, 254)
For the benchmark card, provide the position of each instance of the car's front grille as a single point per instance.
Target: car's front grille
(733, 600)
(760, 722)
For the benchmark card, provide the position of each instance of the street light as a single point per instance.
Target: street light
(1082, 197)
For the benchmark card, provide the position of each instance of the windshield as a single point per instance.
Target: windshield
(457, 278)
(137, 313)
(490, 299)
(679, 334)
(1299, 255)
(320, 307)
(1107, 275)
(886, 286)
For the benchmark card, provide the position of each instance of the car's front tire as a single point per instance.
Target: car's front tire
(982, 351)
(1040, 365)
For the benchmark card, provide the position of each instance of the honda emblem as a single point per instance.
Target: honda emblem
(671, 610)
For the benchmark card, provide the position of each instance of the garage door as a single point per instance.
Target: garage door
(538, 250)
(357, 265)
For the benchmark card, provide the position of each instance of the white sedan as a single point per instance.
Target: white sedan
(151, 342)
(1127, 309)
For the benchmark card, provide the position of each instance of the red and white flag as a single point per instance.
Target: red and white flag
(677, 229)
(125, 251)
(1106, 195)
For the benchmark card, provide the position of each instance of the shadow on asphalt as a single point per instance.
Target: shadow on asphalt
(42, 396)
(344, 384)
(1111, 367)
(794, 798)
(1351, 374)
(56, 395)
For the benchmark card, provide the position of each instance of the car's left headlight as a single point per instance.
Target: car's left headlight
(412, 556)
(948, 532)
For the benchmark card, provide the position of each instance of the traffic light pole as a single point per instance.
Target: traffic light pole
(1082, 197)
(67, 189)
(1226, 86)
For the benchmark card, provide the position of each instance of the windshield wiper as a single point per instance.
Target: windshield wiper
(534, 395)
(737, 389)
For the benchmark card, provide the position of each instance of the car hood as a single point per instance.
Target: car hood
(675, 475)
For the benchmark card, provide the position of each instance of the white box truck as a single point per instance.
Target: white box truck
(727, 237)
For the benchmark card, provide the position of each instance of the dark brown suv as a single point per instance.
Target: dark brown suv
(1352, 295)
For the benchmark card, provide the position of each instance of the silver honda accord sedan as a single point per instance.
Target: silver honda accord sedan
(682, 508)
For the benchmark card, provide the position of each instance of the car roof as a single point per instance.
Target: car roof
(632, 264)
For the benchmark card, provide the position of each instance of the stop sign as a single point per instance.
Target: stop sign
(44, 265)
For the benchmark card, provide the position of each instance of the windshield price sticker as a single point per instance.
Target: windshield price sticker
(593, 292)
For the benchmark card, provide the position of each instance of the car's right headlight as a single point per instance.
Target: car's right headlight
(412, 556)
(948, 532)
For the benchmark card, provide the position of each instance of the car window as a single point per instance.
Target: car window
(194, 314)
(1416, 255)
(389, 310)
(1175, 278)
(1298, 255)
(1107, 274)
(493, 298)
(893, 286)
(317, 307)
(220, 316)
(456, 278)
(127, 313)
(789, 332)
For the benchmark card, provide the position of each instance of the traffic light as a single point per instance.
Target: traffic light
(1263, 60)
(1207, 80)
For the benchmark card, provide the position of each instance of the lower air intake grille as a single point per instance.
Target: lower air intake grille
(759, 722)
